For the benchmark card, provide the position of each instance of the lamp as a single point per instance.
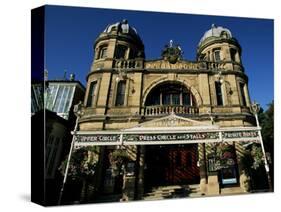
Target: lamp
(78, 111)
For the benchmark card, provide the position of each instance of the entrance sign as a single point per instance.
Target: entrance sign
(169, 138)
(103, 138)
(240, 134)
(97, 139)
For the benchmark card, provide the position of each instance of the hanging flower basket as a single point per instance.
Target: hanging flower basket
(118, 160)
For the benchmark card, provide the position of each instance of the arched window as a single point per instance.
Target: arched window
(103, 53)
(132, 54)
(218, 87)
(233, 54)
(170, 94)
(120, 96)
(91, 94)
(217, 56)
(120, 52)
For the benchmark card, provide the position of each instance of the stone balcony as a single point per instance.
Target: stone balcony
(159, 110)
(128, 64)
(188, 65)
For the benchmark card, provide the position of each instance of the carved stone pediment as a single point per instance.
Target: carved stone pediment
(172, 121)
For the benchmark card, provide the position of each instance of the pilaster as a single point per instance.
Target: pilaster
(204, 88)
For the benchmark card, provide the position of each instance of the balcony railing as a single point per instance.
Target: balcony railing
(128, 64)
(156, 110)
(215, 65)
(139, 63)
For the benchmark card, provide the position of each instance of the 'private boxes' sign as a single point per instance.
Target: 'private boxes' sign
(240, 134)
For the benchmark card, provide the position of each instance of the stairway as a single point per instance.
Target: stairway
(174, 191)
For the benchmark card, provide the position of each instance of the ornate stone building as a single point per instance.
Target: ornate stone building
(127, 92)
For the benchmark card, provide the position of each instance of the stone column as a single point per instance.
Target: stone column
(129, 181)
(247, 96)
(204, 88)
(213, 187)
(136, 97)
(127, 92)
(213, 184)
(235, 92)
(203, 166)
(140, 183)
(239, 150)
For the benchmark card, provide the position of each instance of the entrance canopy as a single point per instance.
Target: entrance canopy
(171, 129)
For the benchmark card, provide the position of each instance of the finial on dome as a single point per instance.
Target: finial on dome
(171, 43)
(124, 21)
(124, 26)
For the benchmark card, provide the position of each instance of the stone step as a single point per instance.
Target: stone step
(173, 191)
(159, 193)
(167, 187)
(153, 198)
(232, 190)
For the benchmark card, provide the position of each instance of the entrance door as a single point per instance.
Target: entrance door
(171, 164)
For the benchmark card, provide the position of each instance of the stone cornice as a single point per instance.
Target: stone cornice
(167, 71)
(126, 38)
(140, 118)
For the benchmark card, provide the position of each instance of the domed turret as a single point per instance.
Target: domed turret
(215, 33)
(119, 41)
(122, 29)
(219, 45)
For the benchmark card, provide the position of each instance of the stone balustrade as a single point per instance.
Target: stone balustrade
(161, 64)
(215, 65)
(168, 109)
(127, 64)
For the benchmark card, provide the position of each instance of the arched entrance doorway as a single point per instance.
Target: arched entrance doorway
(171, 165)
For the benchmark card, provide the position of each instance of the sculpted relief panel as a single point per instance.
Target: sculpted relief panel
(162, 64)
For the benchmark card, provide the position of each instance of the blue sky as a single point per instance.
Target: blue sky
(71, 32)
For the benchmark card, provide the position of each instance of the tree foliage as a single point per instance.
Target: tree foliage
(267, 124)
(253, 159)
(82, 164)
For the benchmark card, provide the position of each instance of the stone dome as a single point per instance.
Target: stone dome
(215, 32)
(122, 29)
